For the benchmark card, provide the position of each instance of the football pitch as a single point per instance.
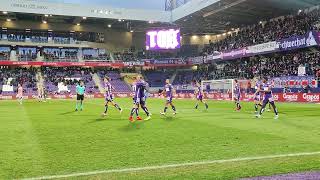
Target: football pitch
(51, 140)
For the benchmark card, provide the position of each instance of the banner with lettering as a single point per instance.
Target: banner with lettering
(296, 42)
(312, 38)
(294, 81)
(279, 97)
(166, 62)
(62, 64)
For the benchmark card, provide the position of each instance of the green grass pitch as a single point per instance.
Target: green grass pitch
(44, 139)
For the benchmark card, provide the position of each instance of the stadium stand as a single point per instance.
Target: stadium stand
(68, 77)
(27, 53)
(91, 54)
(156, 78)
(61, 54)
(4, 53)
(14, 76)
(116, 80)
(275, 29)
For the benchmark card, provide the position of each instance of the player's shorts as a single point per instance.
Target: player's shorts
(169, 99)
(80, 97)
(257, 97)
(199, 97)
(109, 98)
(141, 101)
(268, 98)
(237, 98)
(19, 96)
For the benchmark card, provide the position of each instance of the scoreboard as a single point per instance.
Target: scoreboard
(163, 39)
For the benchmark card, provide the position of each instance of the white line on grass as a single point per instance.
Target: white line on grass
(166, 166)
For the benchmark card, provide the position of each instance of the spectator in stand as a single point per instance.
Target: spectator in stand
(318, 77)
(27, 53)
(95, 54)
(61, 54)
(4, 53)
(15, 76)
(274, 29)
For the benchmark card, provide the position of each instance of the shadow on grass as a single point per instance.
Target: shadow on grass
(169, 118)
(69, 112)
(102, 119)
(132, 126)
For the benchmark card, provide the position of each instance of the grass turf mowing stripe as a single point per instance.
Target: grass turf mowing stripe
(125, 170)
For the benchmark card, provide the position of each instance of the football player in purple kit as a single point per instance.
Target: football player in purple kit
(109, 96)
(169, 91)
(257, 96)
(237, 94)
(146, 95)
(272, 86)
(139, 99)
(199, 95)
(268, 98)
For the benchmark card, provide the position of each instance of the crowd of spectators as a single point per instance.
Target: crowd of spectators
(4, 56)
(55, 54)
(275, 29)
(27, 54)
(59, 74)
(95, 54)
(39, 39)
(185, 77)
(100, 57)
(63, 40)
(275, 65)
(69, 76)
(16, 37)
(125, 56)
(14, 76)
(4, 53)
(49, 36)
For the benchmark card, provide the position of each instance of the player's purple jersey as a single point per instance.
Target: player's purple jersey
(237, 90)
(169, 90)
(108, 88)
(199, 93)
(258, 94)
(268, 92)
(108, 94)
(267, 86)
(257, 86)
(139, 89)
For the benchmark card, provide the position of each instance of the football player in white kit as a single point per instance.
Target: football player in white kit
(20, 93)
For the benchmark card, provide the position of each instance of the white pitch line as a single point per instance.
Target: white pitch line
(126, 170)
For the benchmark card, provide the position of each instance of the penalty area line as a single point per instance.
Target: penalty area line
(167, 166)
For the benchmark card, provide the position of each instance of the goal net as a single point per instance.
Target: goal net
(223, 89)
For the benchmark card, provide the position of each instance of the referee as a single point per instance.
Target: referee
(80, 95)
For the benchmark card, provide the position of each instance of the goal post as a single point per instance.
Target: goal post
(223, 89)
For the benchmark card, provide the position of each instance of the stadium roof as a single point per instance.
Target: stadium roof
(227, 14)
(194, 17)
(136, 4)
(120, 24)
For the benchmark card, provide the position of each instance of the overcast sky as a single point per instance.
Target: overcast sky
(137, 4)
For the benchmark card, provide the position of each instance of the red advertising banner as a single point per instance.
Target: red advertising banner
(118, 64)
(279, 97)
(61, 64)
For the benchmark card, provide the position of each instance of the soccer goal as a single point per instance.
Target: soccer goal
(223, 89)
